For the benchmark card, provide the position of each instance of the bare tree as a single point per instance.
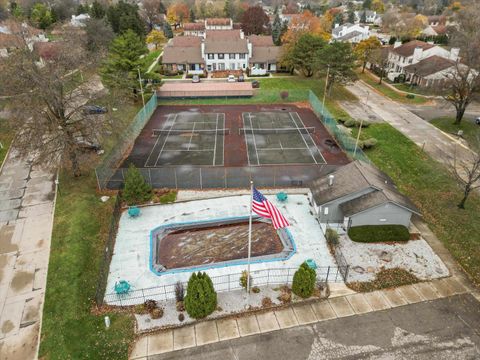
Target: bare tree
(151, 11)
(467, 172)
(380, 62)
(463, 82)
(47, 102)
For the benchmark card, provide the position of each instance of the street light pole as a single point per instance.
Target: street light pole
(141, 86)
(325, 91)
(360, 128)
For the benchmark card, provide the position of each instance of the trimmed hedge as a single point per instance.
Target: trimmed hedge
(378, 233)
(201, 298)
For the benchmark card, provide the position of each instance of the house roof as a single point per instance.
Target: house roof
(218, 21)
(185, 41)
(263, 54)
(338, 29)
(441, 19)
(408, 48)
(440, 29)
(182, 55)
(223, 34)
(349, 36)
(354, 178)
(194, 26)
(429, 66)
(225, 41)
(261, 40)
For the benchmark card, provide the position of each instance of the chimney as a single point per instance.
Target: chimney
(202, 46)
(249, 47)
(397, 44)
(330, 179)
(417, 54)
(242, 35)
(454, 52)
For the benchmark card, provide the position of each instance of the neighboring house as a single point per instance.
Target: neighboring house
(436, 20)
(218, 24)
(221, 50)
(353, 33)
(79, 20)
(434, 30)
(430, 72)
(371, 17)
(15, 35)
(194, 29)
(400, 56)
(359, 194)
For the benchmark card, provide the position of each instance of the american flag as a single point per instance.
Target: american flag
(266, 209)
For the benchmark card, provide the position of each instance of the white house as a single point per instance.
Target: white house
(353, 33)
(371, 17)
(430, 72)
(194, 29)
(218, 24)
(401, 56)
(79, 20)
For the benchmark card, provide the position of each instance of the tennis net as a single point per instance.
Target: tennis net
(302, 130)
(158, 132)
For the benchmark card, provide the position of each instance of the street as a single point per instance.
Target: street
(448, 328)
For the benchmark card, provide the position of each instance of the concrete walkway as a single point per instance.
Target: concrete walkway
(438, 144)
(210, 332)
(27, 197)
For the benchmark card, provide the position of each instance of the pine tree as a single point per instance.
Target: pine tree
(277, 30)
(120, 68)
(192, 15)
(136, 190)
(167, 30)
(201, 298)
(97, 11)
(304, 281)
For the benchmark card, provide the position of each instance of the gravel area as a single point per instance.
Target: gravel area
(415, 256)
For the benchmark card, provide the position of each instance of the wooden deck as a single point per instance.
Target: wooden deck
(205, 89)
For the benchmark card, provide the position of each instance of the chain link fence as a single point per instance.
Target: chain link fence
(229, 282)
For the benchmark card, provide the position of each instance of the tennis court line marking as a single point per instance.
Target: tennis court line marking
(215, 144)
(166, 139)
(199, 150)
(313, 141)
(253, 135)
(156, 142)
(223, 127)
(310, 150)
(191, 135)
(245, 136)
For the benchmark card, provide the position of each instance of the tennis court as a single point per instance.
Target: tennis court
(189, 138)
(279, 138)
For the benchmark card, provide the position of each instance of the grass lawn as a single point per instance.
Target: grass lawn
(151, 56)
(390, 93)
(69, 329)
(434, 191)
(471, 131)
(408, 88)
(6, 137)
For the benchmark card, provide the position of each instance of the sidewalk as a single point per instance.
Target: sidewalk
(337, 307)
(27, 197)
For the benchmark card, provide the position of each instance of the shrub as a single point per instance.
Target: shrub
(350, 123)
(304, 281)
(267, 302)
(284, 94)
(369, 143)
(385, 279)
(136, 190)
(150, 305)
(379, 233)
(157, 313)
(201, 298)
(410, 96)
(243, 280)
(140, 309)
(169, 197)
(331, 236)
(255, 289)
(285, 297)
(180, 306)
(181, 317)
(179, 291)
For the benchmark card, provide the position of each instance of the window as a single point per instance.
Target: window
(221, 66)
(231, 56)
(210, 56)
(325, 211)
(241, 56)
(209, 67)
(221, 56)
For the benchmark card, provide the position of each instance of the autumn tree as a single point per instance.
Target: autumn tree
(338, 60)
(177, 13)
(151, 12)
(305, 23)
(463, 81)
(379, 58)
(52, 126)
(255, 21)
(378, 6)
(364, 50)
(156, 38)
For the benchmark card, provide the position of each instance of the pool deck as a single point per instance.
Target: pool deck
(132, 249)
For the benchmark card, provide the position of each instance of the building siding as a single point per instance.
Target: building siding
(385, 214)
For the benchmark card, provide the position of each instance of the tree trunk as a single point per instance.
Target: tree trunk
(459, 116)
(364, 66)
(75, 167)
(381, 78)
(461, 205)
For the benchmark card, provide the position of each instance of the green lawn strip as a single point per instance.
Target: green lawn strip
(151, 56)
(390, 93)
(434, 190)
(378, 233)
(415, 90)
(70, 330)
(270, 91)
(471, 131)
(6, 137)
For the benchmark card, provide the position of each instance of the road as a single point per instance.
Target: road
(442, 108)
(441, 329)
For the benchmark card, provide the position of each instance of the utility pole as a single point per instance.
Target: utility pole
(141, 87)
(360, 128)
(325, 91)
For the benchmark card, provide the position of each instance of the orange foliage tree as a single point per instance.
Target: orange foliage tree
(304, 23)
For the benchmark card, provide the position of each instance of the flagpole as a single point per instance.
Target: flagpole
(249, 244)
